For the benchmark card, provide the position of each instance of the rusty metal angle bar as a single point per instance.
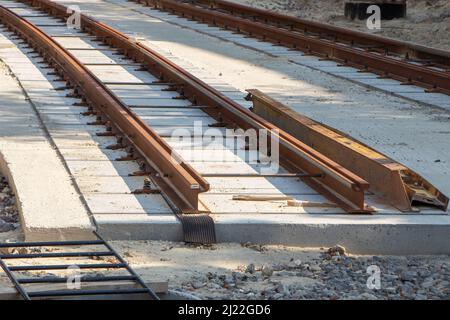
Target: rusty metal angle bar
(392, 181)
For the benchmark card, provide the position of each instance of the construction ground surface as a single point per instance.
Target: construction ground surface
(413, 133)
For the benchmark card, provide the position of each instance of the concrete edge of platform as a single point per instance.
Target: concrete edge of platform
(140, 230)
(388, 234)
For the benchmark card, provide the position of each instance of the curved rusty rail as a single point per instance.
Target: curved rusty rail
(335, 182)
(326, 41)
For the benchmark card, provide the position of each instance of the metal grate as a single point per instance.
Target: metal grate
(137, 286)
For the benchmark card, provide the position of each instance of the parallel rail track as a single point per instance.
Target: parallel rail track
(176, 179)
(403, 61)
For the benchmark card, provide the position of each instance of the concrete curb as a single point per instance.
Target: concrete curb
(378, 234)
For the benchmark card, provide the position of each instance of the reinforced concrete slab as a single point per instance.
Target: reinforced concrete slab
(50, 207)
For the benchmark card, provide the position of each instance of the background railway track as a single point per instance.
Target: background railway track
(406, 62)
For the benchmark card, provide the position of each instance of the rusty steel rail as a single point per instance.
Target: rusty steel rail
(327, 177)
(356, 49)
(398, 185)
(173, 175)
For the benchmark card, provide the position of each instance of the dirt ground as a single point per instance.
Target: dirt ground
(249, 271)
(427, 21)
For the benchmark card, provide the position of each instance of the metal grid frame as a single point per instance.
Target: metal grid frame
(28, 295)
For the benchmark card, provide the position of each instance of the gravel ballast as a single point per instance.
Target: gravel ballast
(247, 271)
(9, 217)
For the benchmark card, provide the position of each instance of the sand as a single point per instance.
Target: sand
(427, 22)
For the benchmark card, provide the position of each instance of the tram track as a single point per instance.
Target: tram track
(129, 100)
(123, 123)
